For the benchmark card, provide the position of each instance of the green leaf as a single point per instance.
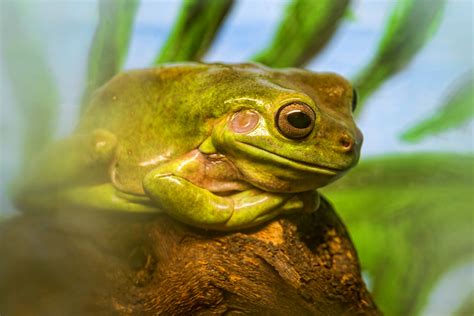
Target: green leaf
(306, 28)
(25, 65)
(411, 25)
(194, 31)
(467, 307)
(411, 220)
(110, 44)
(350, 15)
(457, 110)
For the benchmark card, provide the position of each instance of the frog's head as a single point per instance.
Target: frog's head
(289, 130)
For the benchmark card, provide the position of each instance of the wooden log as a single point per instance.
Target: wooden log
(116, 264)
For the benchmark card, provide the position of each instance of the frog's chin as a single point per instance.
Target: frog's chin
(288, 186)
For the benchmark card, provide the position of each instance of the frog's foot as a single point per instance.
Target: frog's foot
(65, 165)
(199, 207)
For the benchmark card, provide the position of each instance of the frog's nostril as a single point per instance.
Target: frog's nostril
(346, 142)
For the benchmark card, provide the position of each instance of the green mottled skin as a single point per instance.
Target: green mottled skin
(161, 140)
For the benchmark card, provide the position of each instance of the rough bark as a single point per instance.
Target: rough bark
(115, 264)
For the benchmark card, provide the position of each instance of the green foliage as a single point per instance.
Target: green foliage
(411, 218)
(307, 27)
(457, 110)
(195, 29)
(110, 44)
(467, 307)
(410, 26)
(31, 79)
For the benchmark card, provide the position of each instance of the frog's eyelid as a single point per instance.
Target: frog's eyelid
(354, 99)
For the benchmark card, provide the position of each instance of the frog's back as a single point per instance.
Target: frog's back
(172, 95)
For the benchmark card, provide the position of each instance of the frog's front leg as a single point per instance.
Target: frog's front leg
(182, 189)
(199, 207)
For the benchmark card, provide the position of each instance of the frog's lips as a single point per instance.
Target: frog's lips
(296, 164)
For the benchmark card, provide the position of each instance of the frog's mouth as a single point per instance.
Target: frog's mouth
(263, 154)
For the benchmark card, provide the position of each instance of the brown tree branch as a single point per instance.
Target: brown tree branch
(123, 265)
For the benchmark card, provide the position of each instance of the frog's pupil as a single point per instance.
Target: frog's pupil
(299, 119)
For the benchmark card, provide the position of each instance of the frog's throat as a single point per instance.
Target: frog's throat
(294, 164)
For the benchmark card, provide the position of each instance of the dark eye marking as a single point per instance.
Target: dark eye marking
(354, 99)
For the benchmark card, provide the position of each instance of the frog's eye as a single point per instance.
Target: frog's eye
(295, 120)
(354, 99)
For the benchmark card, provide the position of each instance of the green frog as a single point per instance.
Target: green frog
(216, 146)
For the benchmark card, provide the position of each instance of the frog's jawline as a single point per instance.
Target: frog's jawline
(299, 165)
